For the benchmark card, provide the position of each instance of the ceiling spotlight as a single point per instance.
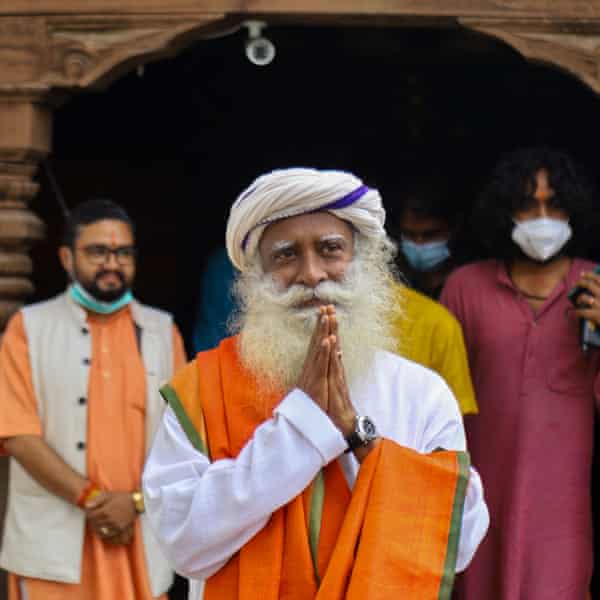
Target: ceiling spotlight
(259, 50)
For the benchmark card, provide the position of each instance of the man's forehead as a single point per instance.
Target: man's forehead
(106, 231)
(410, 219)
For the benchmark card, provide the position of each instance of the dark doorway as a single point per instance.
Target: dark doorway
(177, 144)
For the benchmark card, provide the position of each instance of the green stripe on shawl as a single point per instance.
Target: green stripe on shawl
(170, 395)
(447, 581)
(317, 500)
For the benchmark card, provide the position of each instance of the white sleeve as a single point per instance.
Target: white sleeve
(202, 513)
(445, 430)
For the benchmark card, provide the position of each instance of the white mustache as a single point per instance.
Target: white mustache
(275, 323)
(339, 293)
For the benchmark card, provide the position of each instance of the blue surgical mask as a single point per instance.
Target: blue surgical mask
(425, 257)
(88, 301)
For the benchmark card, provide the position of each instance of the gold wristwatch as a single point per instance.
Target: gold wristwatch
(138, 502)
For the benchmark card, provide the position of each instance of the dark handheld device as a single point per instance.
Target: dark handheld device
(589, 333)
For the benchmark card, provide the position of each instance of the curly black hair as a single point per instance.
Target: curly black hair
(511, 188)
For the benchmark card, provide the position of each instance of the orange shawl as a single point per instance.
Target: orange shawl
(395, 535)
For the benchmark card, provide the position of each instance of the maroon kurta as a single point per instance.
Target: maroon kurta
(532, 439)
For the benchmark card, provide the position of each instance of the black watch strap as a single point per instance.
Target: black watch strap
(354, 441)
(364, 433)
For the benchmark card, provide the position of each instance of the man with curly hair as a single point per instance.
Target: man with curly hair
(532, 439)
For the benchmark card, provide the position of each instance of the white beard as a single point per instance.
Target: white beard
(274, 334)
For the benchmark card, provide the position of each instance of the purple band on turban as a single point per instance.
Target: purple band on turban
(343, 202)
(347, 200)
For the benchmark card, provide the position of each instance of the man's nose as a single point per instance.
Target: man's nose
(111, 262)
(542, 211)
(311, 272)
(542, 200)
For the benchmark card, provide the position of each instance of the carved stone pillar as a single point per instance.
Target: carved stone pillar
(25, 126)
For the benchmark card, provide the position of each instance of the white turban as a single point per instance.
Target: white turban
(290, 192)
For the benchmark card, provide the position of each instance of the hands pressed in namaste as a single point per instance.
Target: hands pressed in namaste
(323, 377)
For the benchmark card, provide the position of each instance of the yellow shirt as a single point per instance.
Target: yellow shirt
(429, 335)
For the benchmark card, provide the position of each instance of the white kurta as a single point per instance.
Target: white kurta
(203, 513)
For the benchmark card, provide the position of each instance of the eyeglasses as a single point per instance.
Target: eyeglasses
(98, 254)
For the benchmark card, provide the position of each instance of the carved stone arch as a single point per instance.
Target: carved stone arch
(47, 55)
(572, 47)
(91, 52)
(43, 59)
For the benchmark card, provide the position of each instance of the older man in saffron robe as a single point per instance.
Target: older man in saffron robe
(301, 458)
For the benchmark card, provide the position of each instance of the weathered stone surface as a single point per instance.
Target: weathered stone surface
(578, 9)
(24, 139)
(40, 54)
(51, 45)
(574, 47)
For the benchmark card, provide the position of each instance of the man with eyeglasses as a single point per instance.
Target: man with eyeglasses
(78, 381)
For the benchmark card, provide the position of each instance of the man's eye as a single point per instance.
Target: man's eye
(97, 251)
(126, 252)
(284, 254)
(332, 247)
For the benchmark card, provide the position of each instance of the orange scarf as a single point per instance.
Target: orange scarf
(395, 535)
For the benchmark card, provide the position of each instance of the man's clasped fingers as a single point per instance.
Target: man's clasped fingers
(313, 379)
(340, 409)
(111, 513)
(320, 329)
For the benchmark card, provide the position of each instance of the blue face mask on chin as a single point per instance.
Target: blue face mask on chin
(425, 257)
(85, 299)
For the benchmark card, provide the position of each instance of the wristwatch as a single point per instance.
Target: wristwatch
(364, 433)
(138, 502)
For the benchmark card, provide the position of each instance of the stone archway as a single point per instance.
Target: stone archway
(573, 47)
(53, 48)
(43, 60)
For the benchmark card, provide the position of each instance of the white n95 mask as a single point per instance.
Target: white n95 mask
(541, 238)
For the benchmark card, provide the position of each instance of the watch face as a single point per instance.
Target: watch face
(367, 429)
